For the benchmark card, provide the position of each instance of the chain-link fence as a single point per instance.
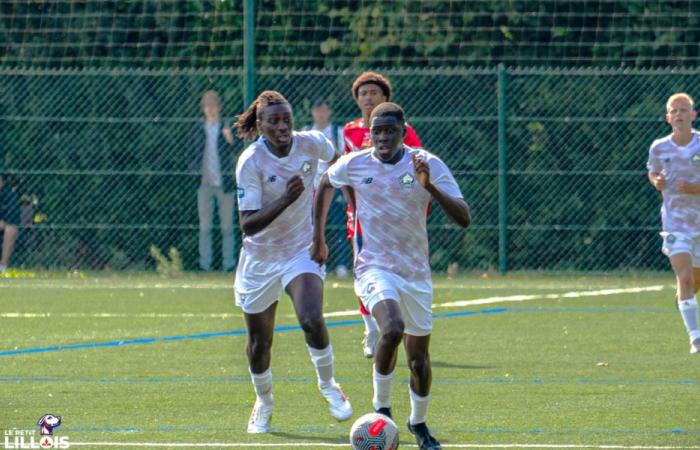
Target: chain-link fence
(100, 158)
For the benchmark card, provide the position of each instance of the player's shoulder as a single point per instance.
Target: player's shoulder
(661, 142)
(356, 124)
(423, 153)
(248, 156)
(358, 157)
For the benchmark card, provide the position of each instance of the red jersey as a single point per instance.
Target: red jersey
(357, 137)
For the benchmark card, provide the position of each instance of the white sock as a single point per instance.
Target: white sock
(419, 407)
(370, 324)
(689, 312)
(382, 389)
(263, 385)
(323, 362)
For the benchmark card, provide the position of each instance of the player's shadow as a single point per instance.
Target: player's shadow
(305, 437)
(446, 365)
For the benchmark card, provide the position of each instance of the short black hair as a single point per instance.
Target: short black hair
(388, 109)
(320, 102)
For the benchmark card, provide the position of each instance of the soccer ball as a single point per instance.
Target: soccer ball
(374, 431)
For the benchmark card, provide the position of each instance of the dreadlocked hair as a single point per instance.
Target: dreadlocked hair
(247, 122)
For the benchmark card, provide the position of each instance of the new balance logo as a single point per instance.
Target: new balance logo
(367, 180)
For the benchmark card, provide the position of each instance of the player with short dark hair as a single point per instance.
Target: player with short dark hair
(274, 183)
(393, 185)
(368, 90)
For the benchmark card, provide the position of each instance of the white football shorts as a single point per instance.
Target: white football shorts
(415, 298)
(682, 242)
(259, 283)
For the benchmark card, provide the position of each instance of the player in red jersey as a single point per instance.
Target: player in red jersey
(369, 90)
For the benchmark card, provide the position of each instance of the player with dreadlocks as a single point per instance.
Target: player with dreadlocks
(275, 177)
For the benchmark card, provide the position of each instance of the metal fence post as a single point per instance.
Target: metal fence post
(249, 52)
(502, 170)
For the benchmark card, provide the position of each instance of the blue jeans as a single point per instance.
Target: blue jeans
(206, 197)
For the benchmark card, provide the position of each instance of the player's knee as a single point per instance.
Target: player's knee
(311, 323)
(259, 346)
(685, 278)
(419, 365)
(393, 333)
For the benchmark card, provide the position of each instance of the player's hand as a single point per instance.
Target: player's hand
(295, 186)
(228, 134)
(660, 182)
(319, 252)
(422, 170)
(686, 187)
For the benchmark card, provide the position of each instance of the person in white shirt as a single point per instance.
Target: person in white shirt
(393, 184)
(321, 112)
(674, 170)
(274, 178)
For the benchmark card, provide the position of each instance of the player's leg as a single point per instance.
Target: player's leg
(378, 290)
(416, 306)
(205, 209)
(388, 315)
(260, 333)
(418, 358)
(306, 291)
(679, 251)
(257, 289)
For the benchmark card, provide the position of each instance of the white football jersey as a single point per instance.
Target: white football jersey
(391, 207)
(261, 178)
(679, 212)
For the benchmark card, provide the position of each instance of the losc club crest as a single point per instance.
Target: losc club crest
(28, 439)
(407, 180)
(695, 159)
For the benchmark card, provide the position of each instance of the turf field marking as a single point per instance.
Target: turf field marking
(346, 313)
(18, 315)
(344, 445)
(523, 298)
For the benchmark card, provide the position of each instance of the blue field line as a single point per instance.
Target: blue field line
(343, 323)
(481, 430)
(246, 380)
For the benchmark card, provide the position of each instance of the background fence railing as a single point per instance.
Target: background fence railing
(100, 159)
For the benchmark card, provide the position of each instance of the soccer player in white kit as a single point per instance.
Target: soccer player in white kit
(393, 184)
(674, 169)
(275, 177)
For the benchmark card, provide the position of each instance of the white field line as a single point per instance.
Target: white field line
(353, 312)
(16, 315)
(523, 298)
(329, 444)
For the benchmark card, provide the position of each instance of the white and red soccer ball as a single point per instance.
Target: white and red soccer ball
(374, 431)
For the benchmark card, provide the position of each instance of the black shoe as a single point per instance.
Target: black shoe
(384, 411)
(424, 439)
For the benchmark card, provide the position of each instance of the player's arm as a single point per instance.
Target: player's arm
(686, 187)
(322, 201)
(657, 180)
(254, 221)
(455, 208)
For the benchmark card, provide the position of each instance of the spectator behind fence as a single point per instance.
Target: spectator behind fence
(9, 221)
(211, 153)
(321, 112)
